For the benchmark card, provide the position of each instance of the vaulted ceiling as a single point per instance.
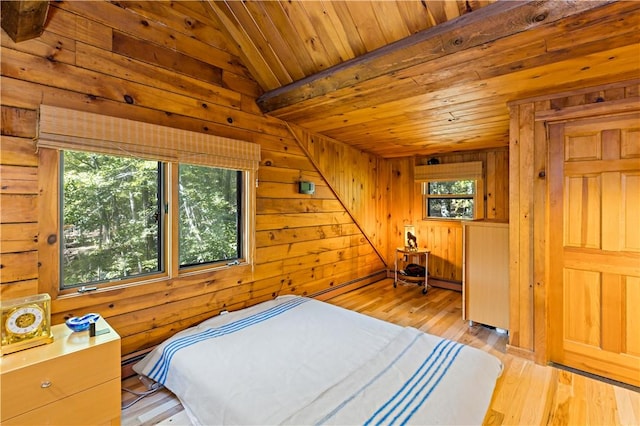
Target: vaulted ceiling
(399, 78)
(406, 77)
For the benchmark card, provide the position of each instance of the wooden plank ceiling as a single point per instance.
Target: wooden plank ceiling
(398, 78)
(412, 77)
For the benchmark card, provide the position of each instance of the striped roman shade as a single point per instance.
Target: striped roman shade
(67, 129)
(452, 171)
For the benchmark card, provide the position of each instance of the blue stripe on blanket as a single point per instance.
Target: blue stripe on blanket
(326, 418)
(161, 368)
(416, 390)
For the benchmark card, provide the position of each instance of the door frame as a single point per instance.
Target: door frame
(529, 198)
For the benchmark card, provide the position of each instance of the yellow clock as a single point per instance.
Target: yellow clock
(24, 323)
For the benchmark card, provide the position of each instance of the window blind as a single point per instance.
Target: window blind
(67, 129)
(452, 171)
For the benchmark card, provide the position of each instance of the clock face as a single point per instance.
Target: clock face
(25, 320)
(24, 323)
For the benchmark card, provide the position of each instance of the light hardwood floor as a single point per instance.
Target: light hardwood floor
(526, 393)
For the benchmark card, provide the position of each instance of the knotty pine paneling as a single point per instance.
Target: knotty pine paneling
(354, 177)
(382, 197)
(305, 244)
(442, 238)
(284, 42)
(528, 207)
(456, 102)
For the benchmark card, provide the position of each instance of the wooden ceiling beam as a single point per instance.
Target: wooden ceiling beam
(23, 19)
(490, 23)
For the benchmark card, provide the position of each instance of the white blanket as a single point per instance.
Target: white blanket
(300, 361)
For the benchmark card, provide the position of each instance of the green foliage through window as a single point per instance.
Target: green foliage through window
(450, 199)
(113, 209)
(110, 210)
(209, 214)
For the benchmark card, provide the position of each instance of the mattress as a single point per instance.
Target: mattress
(296, 360)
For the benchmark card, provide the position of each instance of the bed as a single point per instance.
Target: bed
(296, 360)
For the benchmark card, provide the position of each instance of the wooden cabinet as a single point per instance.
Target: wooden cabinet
(485, 274)
(74, 380)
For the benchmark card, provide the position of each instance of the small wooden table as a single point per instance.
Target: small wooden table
(407, 256)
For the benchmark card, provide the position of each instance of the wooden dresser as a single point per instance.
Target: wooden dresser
(485, 276)
(73, 381)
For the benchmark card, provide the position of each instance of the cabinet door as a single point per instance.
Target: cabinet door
(99, 405)
(65, 375)
(486, 274)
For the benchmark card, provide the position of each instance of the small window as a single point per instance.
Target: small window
(110, 223)
(209, 215)
(451, 199)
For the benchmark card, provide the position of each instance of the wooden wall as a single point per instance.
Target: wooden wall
(109, 59)
(442, 237)
(529, 201)
(382, 196)
(353, 176)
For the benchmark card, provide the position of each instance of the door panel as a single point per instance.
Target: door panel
(582, 212)
(630, 218)
(594, 246)
(630, 146)
(582, 307)
(632, 318)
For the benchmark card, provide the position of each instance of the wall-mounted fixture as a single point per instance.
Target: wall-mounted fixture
(306, 187)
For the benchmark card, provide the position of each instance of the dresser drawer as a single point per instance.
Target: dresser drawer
(99, 405)
(25, 389)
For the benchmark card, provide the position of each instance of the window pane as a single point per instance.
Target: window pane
(209, 214)
(455, 187)
(110, 211)
(456, 208)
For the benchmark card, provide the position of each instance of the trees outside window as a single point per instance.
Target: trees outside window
(454, 199)
(209, 214)
(113, 213)
(110, 211)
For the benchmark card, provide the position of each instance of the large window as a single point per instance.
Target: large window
(452, 199)
(126, 202)
(113, 208)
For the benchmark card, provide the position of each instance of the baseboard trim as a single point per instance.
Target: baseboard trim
(521, 352)
(349, 286)
(449, 285)
(595, 377)
(435, 282)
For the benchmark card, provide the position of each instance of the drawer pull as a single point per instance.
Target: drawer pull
(45, 384)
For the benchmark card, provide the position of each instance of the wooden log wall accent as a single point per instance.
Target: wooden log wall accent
(443, 238)
(528, 208)
(110, 59)
(24, 19)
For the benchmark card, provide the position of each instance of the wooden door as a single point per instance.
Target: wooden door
(594, 246)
